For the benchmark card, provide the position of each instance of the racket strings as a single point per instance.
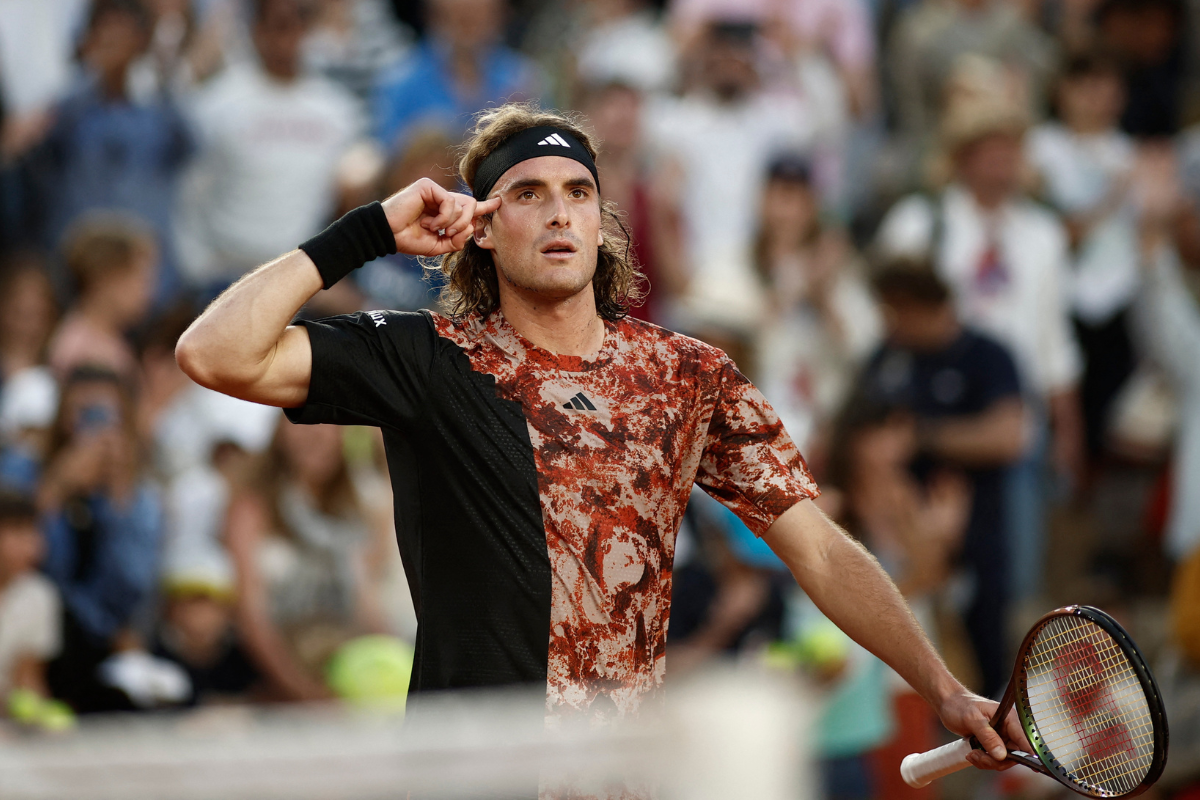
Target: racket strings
(1088, 705)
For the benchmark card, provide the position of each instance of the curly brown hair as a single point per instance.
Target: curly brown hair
(471, 282)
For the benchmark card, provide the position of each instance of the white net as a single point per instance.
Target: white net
(727, 735)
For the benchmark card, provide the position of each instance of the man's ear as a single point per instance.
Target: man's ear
(483, 232)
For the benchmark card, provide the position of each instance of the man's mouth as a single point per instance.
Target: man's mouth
(559, 248)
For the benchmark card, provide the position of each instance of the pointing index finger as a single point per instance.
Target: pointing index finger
(487, 206)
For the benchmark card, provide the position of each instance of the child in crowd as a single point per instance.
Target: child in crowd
(197, 631)
(28, 390)
(112, 259)
(823, 321)
(103, 524)
(1084, 162)
(29, 615)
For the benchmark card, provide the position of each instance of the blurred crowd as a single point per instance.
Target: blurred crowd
(956, 243)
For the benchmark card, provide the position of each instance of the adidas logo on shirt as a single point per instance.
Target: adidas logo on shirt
(555, 139)
(580, 403)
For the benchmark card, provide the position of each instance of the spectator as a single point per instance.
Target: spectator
(715, 143)
(103, 524)
(459, 68)
(36, 45)
(841, 30)
(915, 531)
(962, 391)
(270, 143)
(28, 313)
(29, 604)
(598, 42)
(615, 111)
(180, 423)
(109, 149)
(929, 40)
(400, 281)
(299, 542)
(352, 41)
(1084, 162)
(1006, 262)
(822, 319)
(1147, 37)
(197, 632)
(1169, 319)
(112, 259)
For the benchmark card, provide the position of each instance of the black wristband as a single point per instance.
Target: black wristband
(360, 236)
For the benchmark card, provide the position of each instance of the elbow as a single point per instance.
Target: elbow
(191, 357)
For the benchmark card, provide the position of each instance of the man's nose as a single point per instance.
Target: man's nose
(559, 218)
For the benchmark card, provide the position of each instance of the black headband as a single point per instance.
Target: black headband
(544, 140)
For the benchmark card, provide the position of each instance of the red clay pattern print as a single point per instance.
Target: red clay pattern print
(618, 441)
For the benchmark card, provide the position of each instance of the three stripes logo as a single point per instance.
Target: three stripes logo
(580, 403)
(555, 140)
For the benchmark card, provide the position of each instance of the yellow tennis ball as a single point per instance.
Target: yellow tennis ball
(822, 646)
(372, 671)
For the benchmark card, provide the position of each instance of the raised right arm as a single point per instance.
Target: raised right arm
(244, 345)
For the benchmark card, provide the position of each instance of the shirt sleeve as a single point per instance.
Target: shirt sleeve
(996, 373)
(369, 368)
(1060, 362)
(749, 462)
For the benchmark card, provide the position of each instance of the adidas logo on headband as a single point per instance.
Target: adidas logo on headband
(555, 139)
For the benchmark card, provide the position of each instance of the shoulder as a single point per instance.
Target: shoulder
(677, 353)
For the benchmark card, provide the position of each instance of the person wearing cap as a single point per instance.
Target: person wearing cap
(1005, 259)
(542, 444)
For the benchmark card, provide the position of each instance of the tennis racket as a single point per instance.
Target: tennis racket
(1087, 703)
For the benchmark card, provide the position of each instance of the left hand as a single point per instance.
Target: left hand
(967, 714)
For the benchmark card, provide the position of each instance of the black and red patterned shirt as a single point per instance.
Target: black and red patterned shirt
(538, 495)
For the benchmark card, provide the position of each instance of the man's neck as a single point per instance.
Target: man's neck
(568, 327)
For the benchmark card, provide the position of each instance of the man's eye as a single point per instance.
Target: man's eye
(527, 194)
(578, 193)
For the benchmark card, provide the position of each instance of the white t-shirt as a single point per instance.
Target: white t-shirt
(723, 151)
(1024, 303)
(29, 623)
(265, 178)
(807, 366)
(1079, 173)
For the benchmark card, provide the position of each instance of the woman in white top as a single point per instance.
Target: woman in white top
(300, 538)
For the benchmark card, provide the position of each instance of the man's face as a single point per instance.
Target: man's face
(21, 548)
(467, 24)
(991, 167)
(545, 237)
(278, 35)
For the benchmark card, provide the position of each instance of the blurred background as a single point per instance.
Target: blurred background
(955, 242)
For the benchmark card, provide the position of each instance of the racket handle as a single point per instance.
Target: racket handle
(919, 769)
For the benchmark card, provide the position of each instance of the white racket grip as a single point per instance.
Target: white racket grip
(919, 769)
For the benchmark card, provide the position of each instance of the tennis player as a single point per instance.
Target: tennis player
(542, 444)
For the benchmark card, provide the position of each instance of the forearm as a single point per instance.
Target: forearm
(231, 345)
(850, 587)
(993, 437)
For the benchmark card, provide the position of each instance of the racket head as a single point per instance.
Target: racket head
(1089, 704)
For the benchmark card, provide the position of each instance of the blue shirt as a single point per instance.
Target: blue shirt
(420, 90)
(106, 153)
(104, 581)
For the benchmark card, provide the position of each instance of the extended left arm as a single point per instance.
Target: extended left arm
(852, 590)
